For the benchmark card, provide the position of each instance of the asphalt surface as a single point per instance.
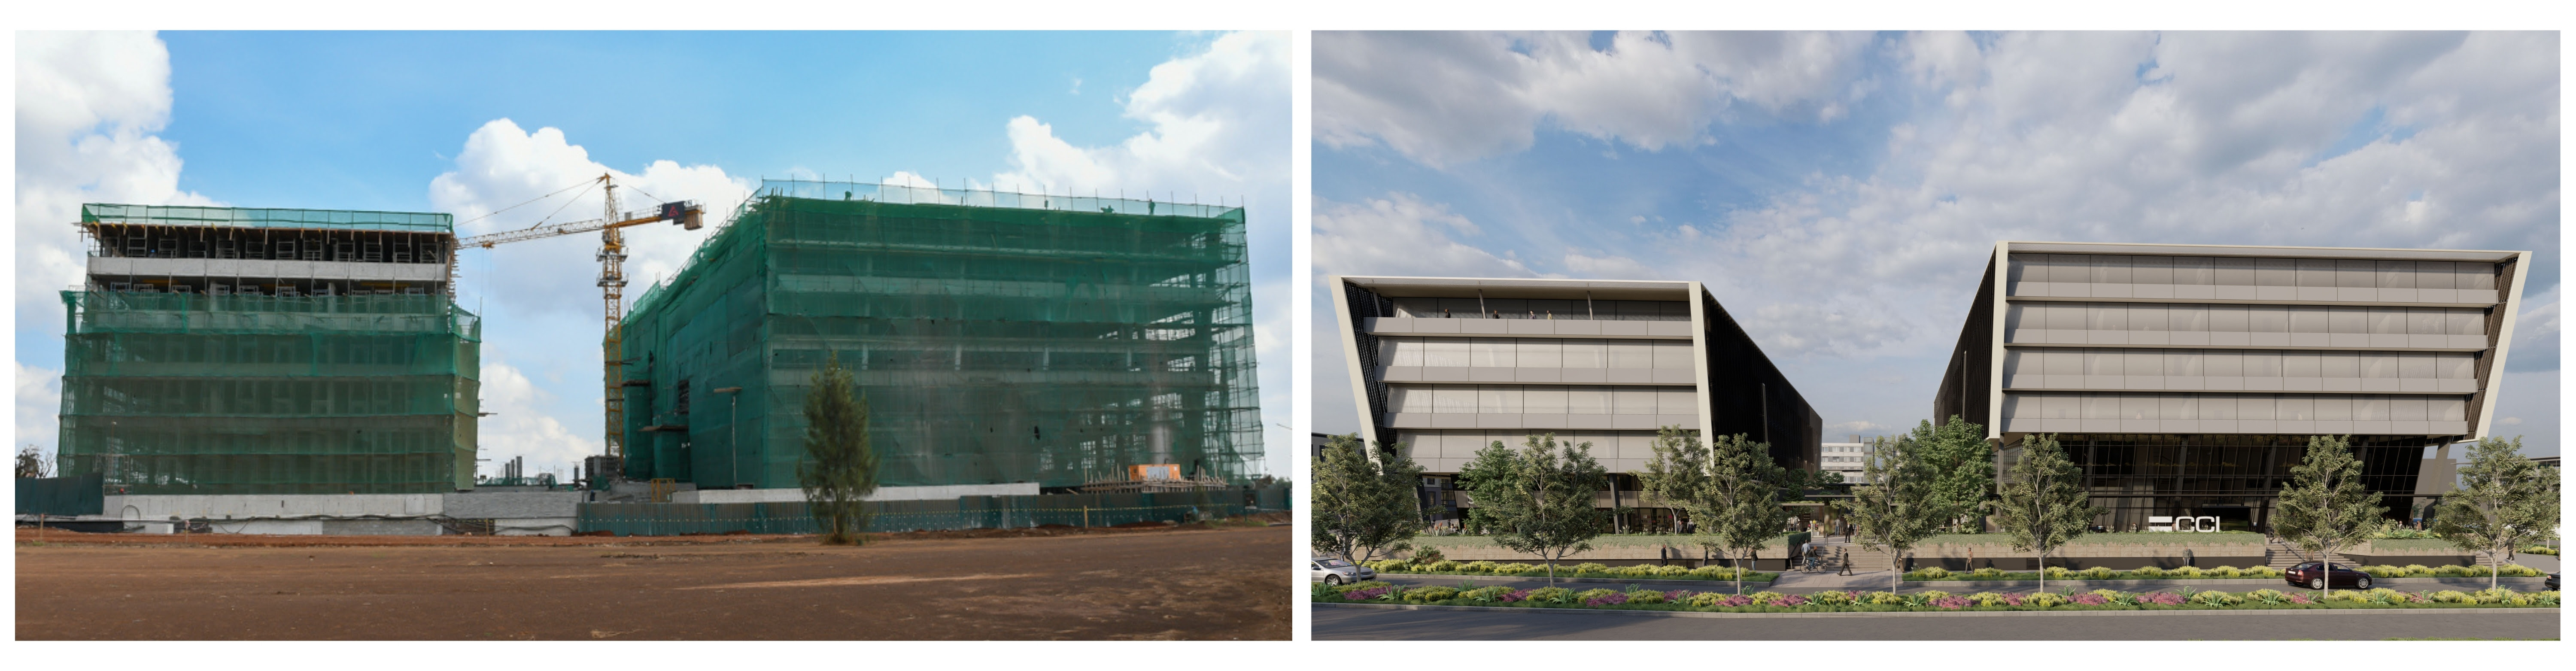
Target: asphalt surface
(1347, 624)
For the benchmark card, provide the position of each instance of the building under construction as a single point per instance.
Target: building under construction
(997, 338)
(269, 351)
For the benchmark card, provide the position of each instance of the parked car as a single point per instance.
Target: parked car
(1337, 572)
(2311, 575)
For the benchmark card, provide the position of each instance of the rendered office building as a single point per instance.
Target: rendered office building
(2187, 379)
(1448, 366)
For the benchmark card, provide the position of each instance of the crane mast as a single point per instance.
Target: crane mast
(612, 287)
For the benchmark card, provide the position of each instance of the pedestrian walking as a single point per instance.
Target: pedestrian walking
(1843, 557)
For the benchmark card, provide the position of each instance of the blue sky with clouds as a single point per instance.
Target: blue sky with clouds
(1839, 192)
(469, 123)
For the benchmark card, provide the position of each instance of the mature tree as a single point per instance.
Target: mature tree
(1540, 497)
(2504, 502)
(1962, 468)
(1731, 490)
(1892, 507)
(840, 467)
(1365, 507)
(31, 463)
(2042, 502)
(2325, 508)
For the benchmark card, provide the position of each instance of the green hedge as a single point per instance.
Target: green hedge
(1937, 601)
(1782, 542)
(2099, 573)
(1583, 570)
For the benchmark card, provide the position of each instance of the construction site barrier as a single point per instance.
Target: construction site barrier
(966, 512)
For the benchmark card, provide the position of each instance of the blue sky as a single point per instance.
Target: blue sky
(470, 123)
(1840, 192)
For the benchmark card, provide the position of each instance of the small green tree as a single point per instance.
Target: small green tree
(2325, 508)
(1961, 467)
(2042, 502)
(840, 468)
(2503, 503)
(1892, 507)
(32, 464)
(1364, 508)
(1540, 498)
(1731, 489)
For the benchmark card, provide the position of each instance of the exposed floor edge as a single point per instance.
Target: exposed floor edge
(2004, 613)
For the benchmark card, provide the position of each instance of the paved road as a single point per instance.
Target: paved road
(1374, 624)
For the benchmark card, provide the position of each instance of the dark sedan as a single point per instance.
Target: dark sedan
(2312, 575)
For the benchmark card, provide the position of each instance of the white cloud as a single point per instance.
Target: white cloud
(502, 165)
(1401, 235)
(1218, 127)
(40, 393)
(1445, 98)
(2535, 334)
(2517, 421)
(522, 427)
(88, 107)
(2222, 139)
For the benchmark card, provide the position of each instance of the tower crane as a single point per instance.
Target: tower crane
(612, 286)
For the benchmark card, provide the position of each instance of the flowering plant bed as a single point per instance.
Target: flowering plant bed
(2099, 573)
(1585, 570)
(1929, 601)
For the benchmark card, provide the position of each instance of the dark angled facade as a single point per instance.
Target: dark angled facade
(2187, 379)
(1447, 366)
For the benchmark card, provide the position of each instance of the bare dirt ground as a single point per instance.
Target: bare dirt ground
(1189, 582)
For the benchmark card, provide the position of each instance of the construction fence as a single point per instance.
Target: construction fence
(994, 337)
(245, 394)
(966, 512)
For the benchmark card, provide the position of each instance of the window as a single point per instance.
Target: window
(1402, 351)
(2151, 269)
(1587, 400)
(2467, 321)
(2354, 320)
(2296, 363)
(1446, 352)
(2102, 361)
(1631, 353)
(2147, 317)
(1635, 400)
(2275, 273)
(2188, 318)
(1453, 398)
(1672, 354)
(1493, 352)
(2387, 321)
(2340, 364)
(2106, 316)
(2194, 270)
(1542, 353)
(2384, 365)
(1544, 401)
(2233, 271)
(2308, 319)
(1584, 354)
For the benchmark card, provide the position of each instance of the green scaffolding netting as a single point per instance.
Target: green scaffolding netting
(994, 341)
(194, 394)
(244, 217)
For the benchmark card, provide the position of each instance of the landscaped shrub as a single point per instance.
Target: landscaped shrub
(2264, 595)
(1477, 567)
(2163, 598)
(2217, 598)
(1713, 573)
(1486, 593)
(1987, 599)
(1366, 594)
(1933, 573)
(1987, 573)
(2057, 572)
(1443, 566)
(2262, 572)
(1765, 598)
(2091, 599)
(1427, 556)
(1672, 571)
(2099, 573)
(2453, 596)
(1610, 599)
(1948, 603)
(2454, 572)
(2044, 600)
(2225, 572)
(2418, 571)
(1834, 598)
(2538, 550)
(1883, 598)
(1931, 594)
(1514, 568)
(2148, 573)
(2519, 571)
(1364, 584)
(1431, 594)
(1590, 567)
(2493, 595)
(2349, 596)
(1551, 595)
(2186, 573)
(1590, 594)
(1645, 596)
